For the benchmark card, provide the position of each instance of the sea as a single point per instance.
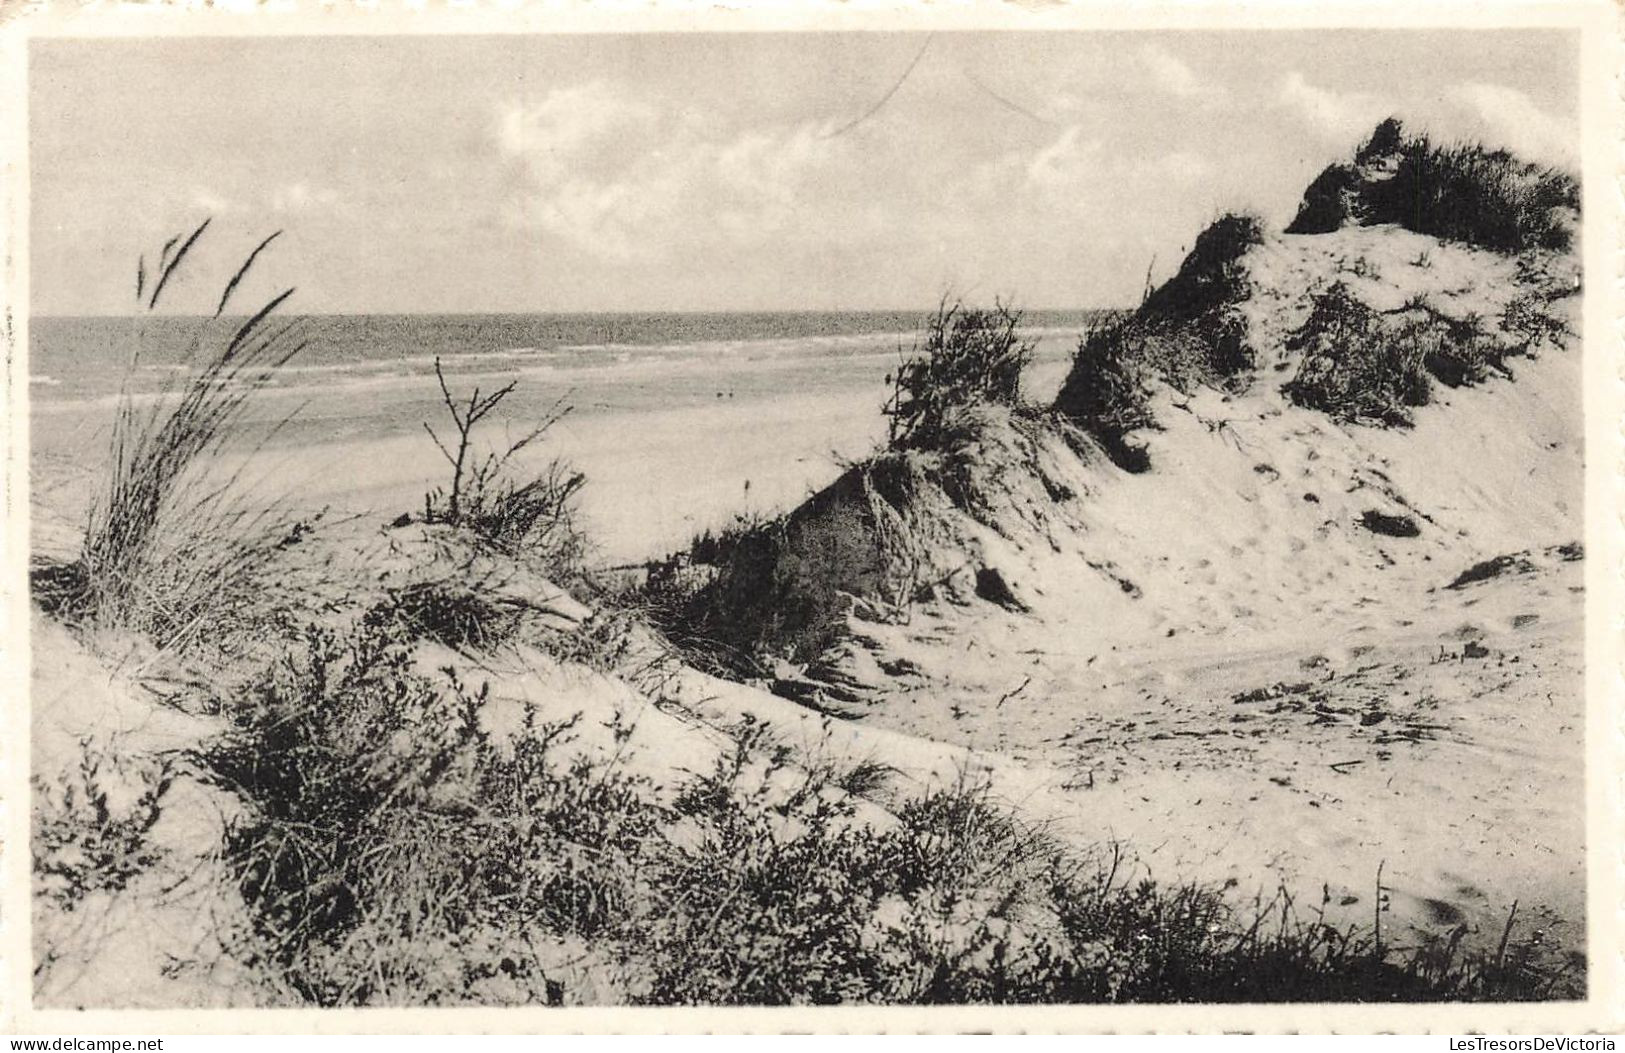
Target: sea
(86, 361)
(679, 421)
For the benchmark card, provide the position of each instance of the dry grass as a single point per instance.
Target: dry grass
(1185, 332)
(971, 357)
(166, 550)
(1459, 192)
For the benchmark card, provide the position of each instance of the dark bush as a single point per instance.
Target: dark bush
(1328, 201)
(1482, 197)
(971, 357)
(1103, 392)
(1386, 139)
(1352, 368)
(1360, 364)
(1389, 525)
(1186, 332)
(454, 613)
(1456, 351)
(1202, 296)
(1460, 192)
(1334, 197)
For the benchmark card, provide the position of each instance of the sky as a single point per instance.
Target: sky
(702, 172)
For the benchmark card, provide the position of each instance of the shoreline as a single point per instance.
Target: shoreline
(656, 477)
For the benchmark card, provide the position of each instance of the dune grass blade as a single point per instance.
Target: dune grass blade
(242, 272)
(162, 545)
(168, 265)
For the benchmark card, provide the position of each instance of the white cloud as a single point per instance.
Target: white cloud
(1077, 168)
(1506, 117)
(1070, 195)
(1150, 70)
(1065, 163)
(301, 196)
(631, 180)
(1336, 117)
(209, 201)
(1473, 110)
(583, 125)
(1064, 201)
(1184, 167)
(1169, 73)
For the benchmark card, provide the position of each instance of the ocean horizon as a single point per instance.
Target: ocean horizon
(77, 359)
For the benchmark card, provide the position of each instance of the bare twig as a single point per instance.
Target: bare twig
(1012, 693)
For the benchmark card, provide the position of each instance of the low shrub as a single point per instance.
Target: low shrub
(1361, 364)
(1460, 192)
(669, 593)
(970, 357)
(1352, 368)
(1187, 332)
(537, 517)
(773, 898)
(1386, 140)
(748, 604)
(1457, 352)
(91, 827)
(1529, 321)
(391, 850)
(456, 613)
(961, 902)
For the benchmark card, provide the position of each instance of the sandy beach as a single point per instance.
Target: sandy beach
(496, 627)
(668, 451)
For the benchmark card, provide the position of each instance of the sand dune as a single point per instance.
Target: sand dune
(1340, 658)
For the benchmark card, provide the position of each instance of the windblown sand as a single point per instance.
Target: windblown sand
(1220, 667)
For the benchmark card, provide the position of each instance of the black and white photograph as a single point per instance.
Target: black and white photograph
(932, 515)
